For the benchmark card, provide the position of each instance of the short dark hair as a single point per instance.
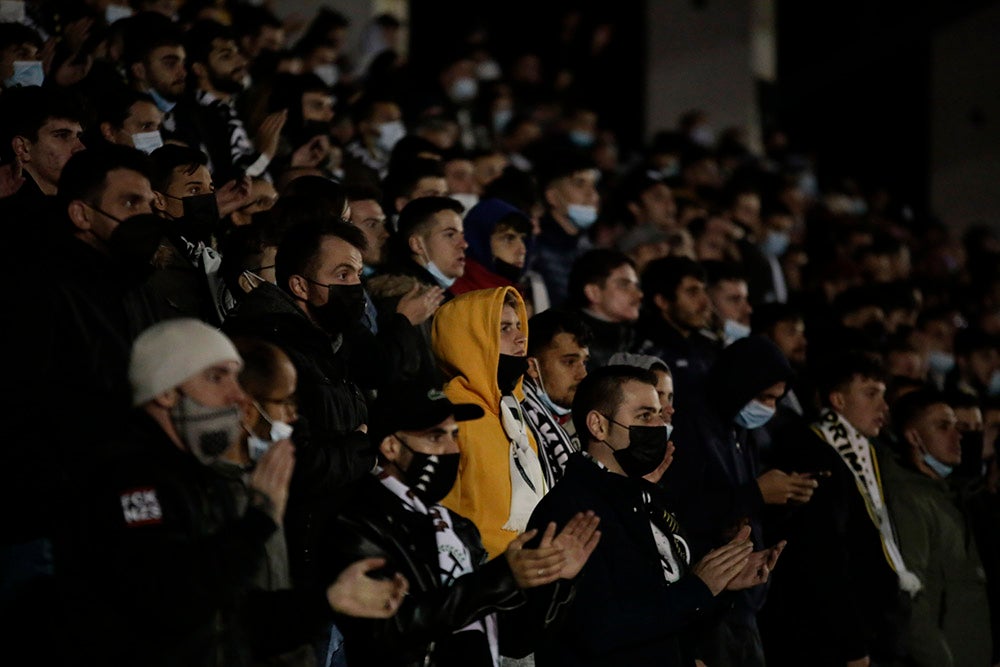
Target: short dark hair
(663, 276)
(416, 217)
(318, 187)
(146, 32)
(718, 271)
(516, 187)
(114, 108)
(962, 399)
(242, 250)
(593, 268)
(85, 175)
(23, 112)
(911, 406)
(839, 369)
(766, 316)
(249, 20)
(403, 179)
(299, 249)
(15, 34)
(261, 361)
(602, 391)
(548, 324)
(363, 191)
(169, 157)
(199, 38)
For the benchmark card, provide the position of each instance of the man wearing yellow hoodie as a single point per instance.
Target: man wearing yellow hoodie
(480, 340)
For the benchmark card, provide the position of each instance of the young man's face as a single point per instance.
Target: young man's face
(164, 71)
(367, 215)
(513, 340)
(665, 392)
(444, 244)
(277, 400)
(657, 207)
(184, 184)
(862, 404)
(509, 245)
(936, 433)
(142, 117)
(58, 139)
(577, 188)
(460, 177)
(790, 337)
(731, 300)
(561, 367)
(126, 193)
(438, 440)
(227, 68)
(12, 53)
(216, 387)
(691, 309)
(317, 106)
(619, 298)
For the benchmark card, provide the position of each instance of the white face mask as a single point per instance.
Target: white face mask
(582, 215)
(488, 70)
(12, 11)
(257, 446)
(544, 395)
(734, 330)
(147, 142)
(466, 199)
(26, 73)
(389, 135)
(329, 73)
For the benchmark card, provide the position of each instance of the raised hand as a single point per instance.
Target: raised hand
(420, 303)
(535, 567)
(577, 539)
(272, 475)
(721, 565)
(668, 458)
(354, 593)
(269, 132)
(233, 195)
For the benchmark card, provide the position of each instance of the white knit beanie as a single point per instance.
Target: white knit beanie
(168, 353)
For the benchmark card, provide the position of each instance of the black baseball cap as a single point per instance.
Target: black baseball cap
(412, 406)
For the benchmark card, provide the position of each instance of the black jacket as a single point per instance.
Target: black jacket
(330, 451)
(833, 596)
(155, 564)
(689, 358)
(422, 631)
(607, 338)
(625, 614)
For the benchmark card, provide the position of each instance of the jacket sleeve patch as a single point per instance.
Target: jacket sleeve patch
(141, 507)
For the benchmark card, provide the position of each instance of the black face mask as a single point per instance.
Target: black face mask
(647, 445)
(508, 271)
(134, 242)
(201, 217)
(344, 307)
(509, 371)
(430, 476)
(972, 455)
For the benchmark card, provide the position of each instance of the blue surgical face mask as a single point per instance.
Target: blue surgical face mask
(329, 73)
(544, 395)
(581, 138)
(113, 13)
(775, 244)
(147, 142)
(162, 103)
(444, 281)
(754, 415)
(734, 330)
(941, 362)
(582, 215)
(26, 73)
(500, 119)
(257, 446)
(994, 387)
(942, 469)
(464, 89)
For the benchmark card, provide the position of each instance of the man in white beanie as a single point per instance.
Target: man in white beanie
(159, 558)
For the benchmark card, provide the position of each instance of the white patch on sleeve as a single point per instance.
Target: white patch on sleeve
(141, 507)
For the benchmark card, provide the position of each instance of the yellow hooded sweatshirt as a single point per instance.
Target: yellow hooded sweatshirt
(466, 342)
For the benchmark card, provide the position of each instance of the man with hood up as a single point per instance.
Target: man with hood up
(480, 341)
(497, 234)
(714, 485)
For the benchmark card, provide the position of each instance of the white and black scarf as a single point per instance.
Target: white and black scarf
(527, 482)
(859, 455)
(454, 557)
(554, 443)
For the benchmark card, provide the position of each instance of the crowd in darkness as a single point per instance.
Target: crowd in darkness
(330, 359)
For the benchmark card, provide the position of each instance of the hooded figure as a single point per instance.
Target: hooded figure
(712, 484)
(499, 476)
(484, 269)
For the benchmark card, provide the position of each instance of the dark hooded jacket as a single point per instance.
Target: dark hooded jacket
(481, 268)
(712, 482)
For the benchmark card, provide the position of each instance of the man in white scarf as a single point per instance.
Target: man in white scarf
(842, 595)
